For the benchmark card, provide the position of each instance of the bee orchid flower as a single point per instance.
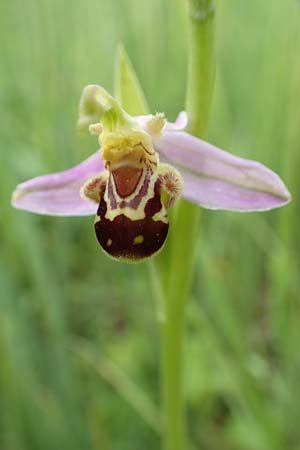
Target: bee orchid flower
(143, 166)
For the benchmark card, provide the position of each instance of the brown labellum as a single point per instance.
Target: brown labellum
(126, 238)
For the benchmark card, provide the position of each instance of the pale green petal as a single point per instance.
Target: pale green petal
(128, 90)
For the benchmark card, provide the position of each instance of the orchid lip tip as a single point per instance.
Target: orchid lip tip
(288, 198)
(15, 196)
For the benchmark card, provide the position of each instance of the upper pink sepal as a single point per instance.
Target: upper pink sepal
(58, 194)
(216, 179)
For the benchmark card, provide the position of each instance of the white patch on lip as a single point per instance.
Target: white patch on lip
(161, 216)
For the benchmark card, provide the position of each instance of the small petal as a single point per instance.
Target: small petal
(179, 124)
(155, 125)
(58, 194)
(215, 179)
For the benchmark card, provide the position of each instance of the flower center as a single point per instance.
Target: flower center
(128, 148)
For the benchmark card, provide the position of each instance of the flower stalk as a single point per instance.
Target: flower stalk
(184, 229)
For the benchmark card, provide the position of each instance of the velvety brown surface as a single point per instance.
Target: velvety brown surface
(117, 237)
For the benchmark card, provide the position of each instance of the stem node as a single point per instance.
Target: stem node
(201, 10)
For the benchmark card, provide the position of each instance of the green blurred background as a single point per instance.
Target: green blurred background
(79, 346)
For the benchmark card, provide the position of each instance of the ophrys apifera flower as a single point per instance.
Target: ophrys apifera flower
(143, 166)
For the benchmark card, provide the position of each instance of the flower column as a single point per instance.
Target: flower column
(176, 278)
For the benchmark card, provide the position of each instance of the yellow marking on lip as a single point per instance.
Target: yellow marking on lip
(138, 239)
(161, 215)
(109, 242)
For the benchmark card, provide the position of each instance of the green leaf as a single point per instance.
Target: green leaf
(124, 385)
(128, 90)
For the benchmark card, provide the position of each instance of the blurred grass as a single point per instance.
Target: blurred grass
(242, 350)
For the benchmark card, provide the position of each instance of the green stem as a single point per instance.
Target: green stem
(176, 275)
(201, 67)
